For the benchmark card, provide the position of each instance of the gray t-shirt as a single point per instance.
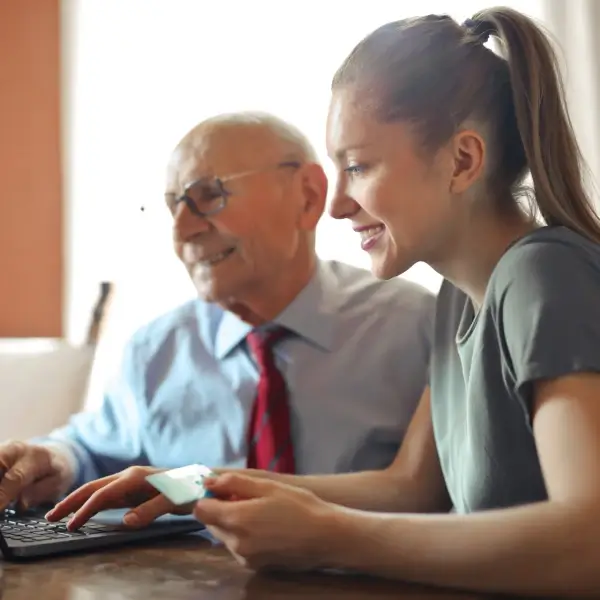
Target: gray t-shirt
(540, 319)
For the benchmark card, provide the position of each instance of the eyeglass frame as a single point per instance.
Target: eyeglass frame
(223, 193)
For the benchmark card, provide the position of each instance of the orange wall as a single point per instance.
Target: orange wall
(31, 270)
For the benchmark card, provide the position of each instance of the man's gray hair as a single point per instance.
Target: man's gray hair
(299, 148)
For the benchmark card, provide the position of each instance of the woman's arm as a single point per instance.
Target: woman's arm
(412, 483)
(543, 549)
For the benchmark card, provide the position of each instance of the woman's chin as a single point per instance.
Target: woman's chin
(383, 267)
(382, 270)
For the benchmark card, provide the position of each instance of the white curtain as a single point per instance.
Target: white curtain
(575, 25)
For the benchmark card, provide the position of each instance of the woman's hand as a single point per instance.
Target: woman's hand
(128, 488)
(270, 524)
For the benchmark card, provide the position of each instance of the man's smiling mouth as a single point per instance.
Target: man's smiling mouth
(214, 259)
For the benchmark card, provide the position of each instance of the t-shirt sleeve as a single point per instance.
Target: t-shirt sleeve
(548, 312)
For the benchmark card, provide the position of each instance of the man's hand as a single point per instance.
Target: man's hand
(32, 475)
(127, 489)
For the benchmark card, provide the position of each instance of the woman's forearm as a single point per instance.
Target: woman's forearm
(377, 491)
(545, 549)
(367, 490)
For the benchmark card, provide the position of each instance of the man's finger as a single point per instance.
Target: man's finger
(239, 486)
(16, 479)
(78, 498)
(112, 495)
(145, 513)
(45, 490)
(10, 453)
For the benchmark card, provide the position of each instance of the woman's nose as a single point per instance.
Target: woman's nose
(342, 206)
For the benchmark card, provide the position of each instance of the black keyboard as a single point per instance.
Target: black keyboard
(23, 528)
(29, 535)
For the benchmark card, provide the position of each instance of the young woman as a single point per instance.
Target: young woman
(434, 136)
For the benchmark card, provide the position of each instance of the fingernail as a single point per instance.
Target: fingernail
(131, 519)
(209, 480)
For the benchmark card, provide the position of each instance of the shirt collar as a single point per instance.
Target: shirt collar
(311, 315)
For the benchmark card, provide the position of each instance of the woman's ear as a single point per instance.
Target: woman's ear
(469, 154)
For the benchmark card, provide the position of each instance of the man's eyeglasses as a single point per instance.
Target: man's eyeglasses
(207, 196)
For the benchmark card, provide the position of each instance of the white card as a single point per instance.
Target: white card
(182, 485)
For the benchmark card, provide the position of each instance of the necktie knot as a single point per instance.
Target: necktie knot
(261, 343)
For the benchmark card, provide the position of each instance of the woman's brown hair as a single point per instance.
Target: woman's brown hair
(437, 74)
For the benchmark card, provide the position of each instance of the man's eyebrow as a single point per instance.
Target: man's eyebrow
(171, 193)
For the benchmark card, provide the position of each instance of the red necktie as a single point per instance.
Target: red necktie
(269, 435)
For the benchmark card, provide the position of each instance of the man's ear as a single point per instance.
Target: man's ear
(313, 190)
(469, 154)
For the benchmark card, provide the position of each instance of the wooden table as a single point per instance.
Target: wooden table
(184, 569)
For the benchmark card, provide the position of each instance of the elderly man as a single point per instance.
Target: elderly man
(260, 370)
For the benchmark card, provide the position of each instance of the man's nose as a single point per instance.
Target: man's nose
(341, 205)
(187, 224)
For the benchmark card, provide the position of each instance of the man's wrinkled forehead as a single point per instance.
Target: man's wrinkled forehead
(220, 150)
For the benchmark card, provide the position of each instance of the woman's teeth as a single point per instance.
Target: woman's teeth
(365, 234)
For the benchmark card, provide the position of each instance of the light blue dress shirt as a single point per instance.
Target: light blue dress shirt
(355, 370)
